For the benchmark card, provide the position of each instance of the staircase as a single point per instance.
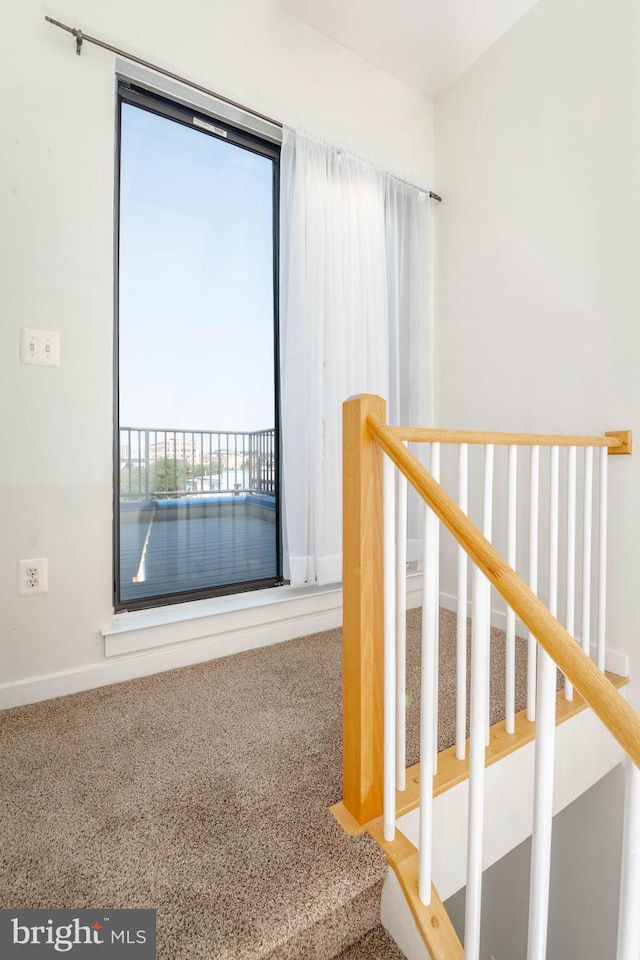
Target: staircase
(205, 792)
(375, 945)
(378, 788)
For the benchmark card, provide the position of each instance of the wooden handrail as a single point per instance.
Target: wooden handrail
(617, 715)
(618, 441)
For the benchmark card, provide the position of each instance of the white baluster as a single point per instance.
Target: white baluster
(461, 625)
(487, 503)
(481, 618)
(602, 559)
(545, 749)
(534, 509)
(487, 515)
(427, 687)
(553, 529)
(629, 912)
(587, 509)
(401, 630)
(435, 473)
(510, 650)
(389, 791)
(542, 809)
(570, 577)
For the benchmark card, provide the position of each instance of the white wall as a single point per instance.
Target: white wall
(57, 263)
(538, 161)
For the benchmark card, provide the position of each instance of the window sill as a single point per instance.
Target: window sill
(255, 612)
(225, 625)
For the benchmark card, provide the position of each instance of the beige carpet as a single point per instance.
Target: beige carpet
(377, 943)
(204, 793)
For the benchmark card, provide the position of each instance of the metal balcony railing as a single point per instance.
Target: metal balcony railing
(157, 463)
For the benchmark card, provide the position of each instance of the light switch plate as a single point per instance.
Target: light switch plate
(40, 347)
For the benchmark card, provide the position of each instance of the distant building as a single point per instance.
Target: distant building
(176, 446)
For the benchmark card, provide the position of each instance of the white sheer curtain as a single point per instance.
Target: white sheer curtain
(355, 318)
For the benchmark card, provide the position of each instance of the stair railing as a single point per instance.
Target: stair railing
(373, 645)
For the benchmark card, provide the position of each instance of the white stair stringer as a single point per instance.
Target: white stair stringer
(585, 752)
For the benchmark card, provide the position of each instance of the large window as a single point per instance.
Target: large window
(196, 448)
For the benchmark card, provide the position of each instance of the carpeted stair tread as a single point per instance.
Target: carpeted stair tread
(203, 792)
(375, 945)
(344, 925)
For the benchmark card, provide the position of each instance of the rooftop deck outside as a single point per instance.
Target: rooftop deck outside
(198, 511)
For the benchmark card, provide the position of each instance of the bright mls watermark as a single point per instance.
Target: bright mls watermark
(26, 934)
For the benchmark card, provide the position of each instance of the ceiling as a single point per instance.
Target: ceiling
(425, 43)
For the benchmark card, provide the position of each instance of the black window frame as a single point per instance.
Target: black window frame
(221, 129)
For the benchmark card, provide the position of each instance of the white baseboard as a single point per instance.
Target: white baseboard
(129, 667)
(614, 661)
(498, 617)
(163, 656)
(141, 644)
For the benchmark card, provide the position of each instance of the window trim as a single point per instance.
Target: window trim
(178, 94)
(181, 111)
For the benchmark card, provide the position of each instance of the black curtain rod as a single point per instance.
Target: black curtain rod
(81, 37)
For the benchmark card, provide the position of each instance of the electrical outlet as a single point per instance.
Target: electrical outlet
(33, 577)
(40, 347)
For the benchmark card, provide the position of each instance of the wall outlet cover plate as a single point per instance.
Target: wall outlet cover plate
(33, 576)
(40, 347)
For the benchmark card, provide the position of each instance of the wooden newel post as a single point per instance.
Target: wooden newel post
(362, 577)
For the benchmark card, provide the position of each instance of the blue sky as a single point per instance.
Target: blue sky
(196, 279)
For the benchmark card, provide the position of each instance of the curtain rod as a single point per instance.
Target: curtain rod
(81, 37)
